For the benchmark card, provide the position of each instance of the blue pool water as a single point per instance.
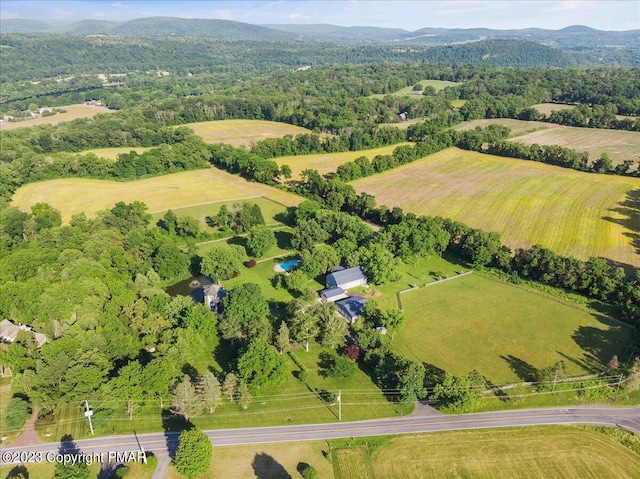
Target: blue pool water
(290, 264)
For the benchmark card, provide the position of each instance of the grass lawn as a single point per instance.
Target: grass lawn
(548, 108)
(571, 212)
(266, 461)
(618, 144)
(112, 153)
(437, 84)
(507, 333)
(46, 470)
(73, 112)
(242, 132)
(541, 452)
(270, 211)
(189, 188)
(352, 462)
(5, 397)
(329, 162)
(291, 402)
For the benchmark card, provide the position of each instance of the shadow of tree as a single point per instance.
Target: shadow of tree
(588, 362)
(525, 371)
(69, 448)
(18, 472)
(172, 425)
(629, 209)
(283, 239)
(266, 467)
(433, 375)
(599, 345)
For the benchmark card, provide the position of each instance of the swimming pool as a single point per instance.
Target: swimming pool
(289, 264)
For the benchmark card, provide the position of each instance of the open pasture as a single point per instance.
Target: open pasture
(504, 332)
(329, 162)
(540, 452)
(570, 212)
(73, 112)
(112, 153)
(242, 132)
(547, 108)
(190, 188)
(269, 208)
(437, 84)
(619, 145)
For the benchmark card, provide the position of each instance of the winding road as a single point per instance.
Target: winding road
(429, 421)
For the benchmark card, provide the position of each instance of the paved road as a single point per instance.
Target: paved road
(161, 443)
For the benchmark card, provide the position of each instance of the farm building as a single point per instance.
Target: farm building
(332, 295)
(9, 332)
(351, 307)
(346, 278)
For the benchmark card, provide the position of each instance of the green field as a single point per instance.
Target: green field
(571, 212)
(242, 132)
(437, 84)
(548, 108)
(190, 188)
(546, 451)
(505, 332)
(618, 144)
(112, 153)
(72, 112)
(271, 210)
(329, 162)
(540, 452)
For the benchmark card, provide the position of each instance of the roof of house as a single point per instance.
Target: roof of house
(348, 275)
(352, 306)
(212, 289)
(9, 331)
(332, 292)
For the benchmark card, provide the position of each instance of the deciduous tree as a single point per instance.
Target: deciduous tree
(210, 391)
(194, 452)
(185, 399)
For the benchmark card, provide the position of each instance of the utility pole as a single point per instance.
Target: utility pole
(339, 405)
(88, 413)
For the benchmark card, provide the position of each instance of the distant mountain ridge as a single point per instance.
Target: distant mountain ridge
(575, 37)
(151, 26)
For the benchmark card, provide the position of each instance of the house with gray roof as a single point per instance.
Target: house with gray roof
(9, 331)
(346, 278)
(332, 295)
(351, 307)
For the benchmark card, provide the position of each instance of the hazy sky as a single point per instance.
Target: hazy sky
(410, 15)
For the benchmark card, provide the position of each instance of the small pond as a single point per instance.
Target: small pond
(190, 287)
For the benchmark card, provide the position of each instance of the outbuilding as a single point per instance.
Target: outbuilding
(346, 278)
(332, 295)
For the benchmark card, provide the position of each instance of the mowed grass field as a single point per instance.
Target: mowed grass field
(242, 132)
(619, 145)
(532, 452)
(329, 162)
(547, 108)
(571, 212)
(112, 153)
(505, 332)
(73, 112)
(437, 84)
(190, 188)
